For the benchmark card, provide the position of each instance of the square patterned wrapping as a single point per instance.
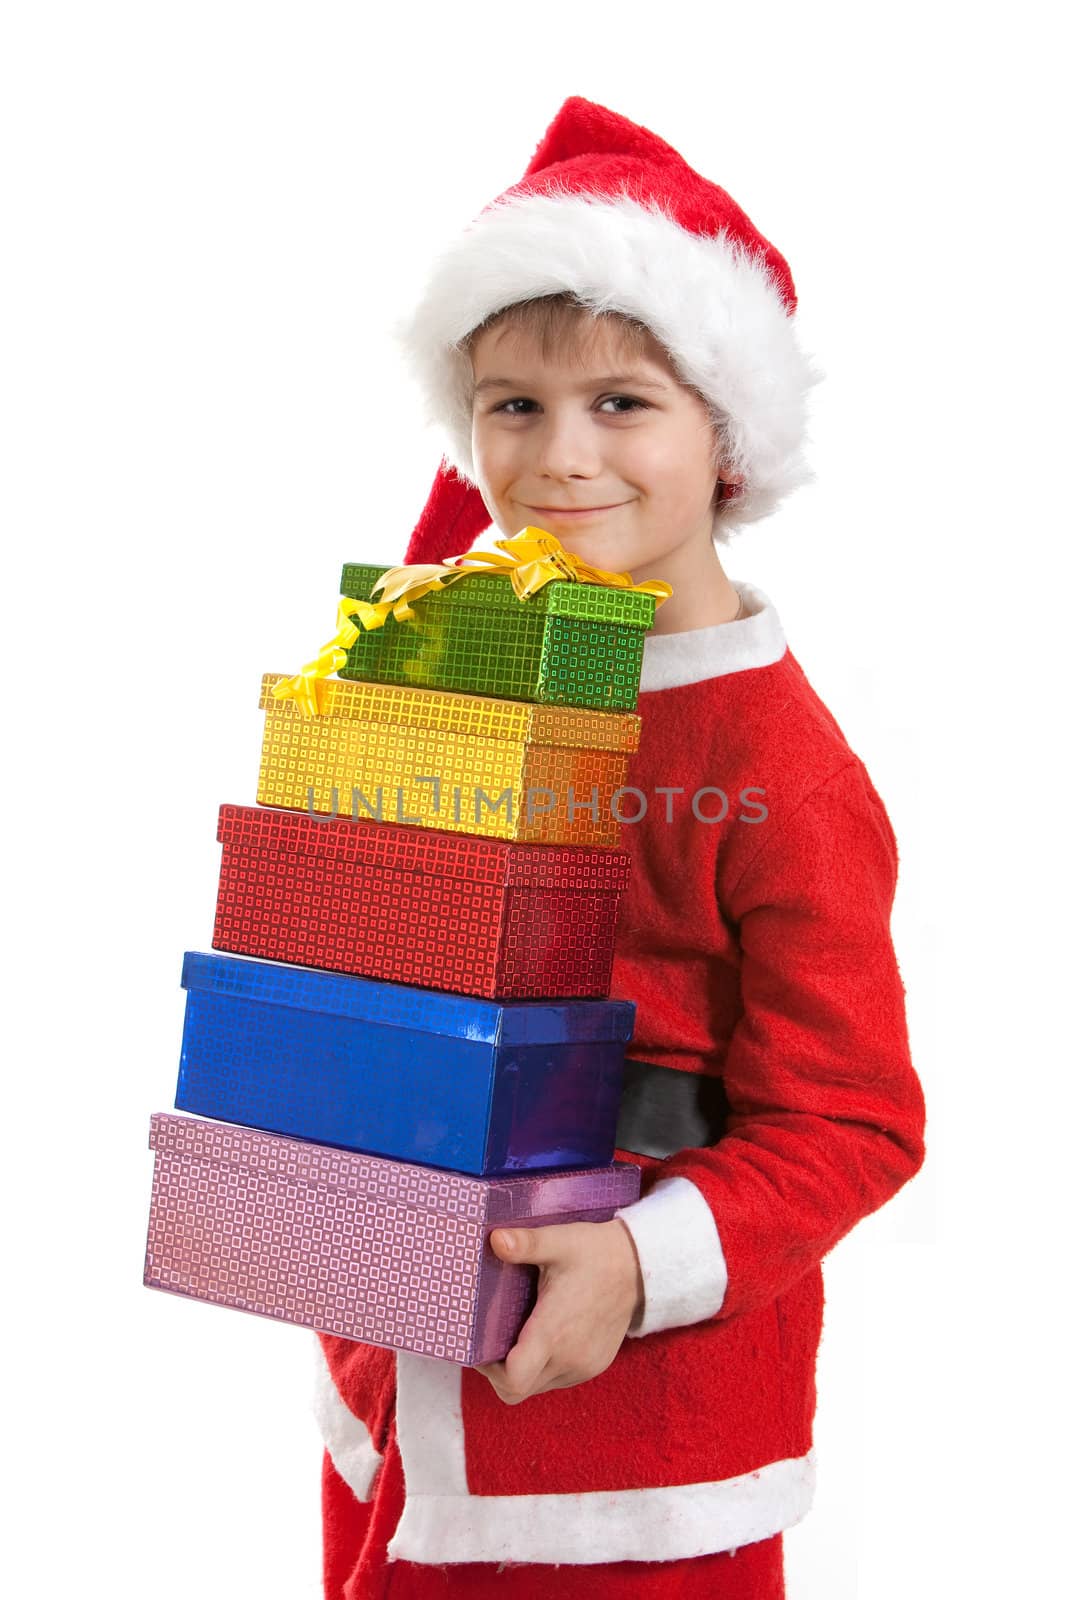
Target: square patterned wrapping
(476, 1086)
(378, 1251)
(459, 762)
(570, 644)
(448, 911)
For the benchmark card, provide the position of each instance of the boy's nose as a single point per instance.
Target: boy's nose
(564, 449)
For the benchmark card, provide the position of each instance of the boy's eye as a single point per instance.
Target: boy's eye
(626, 399)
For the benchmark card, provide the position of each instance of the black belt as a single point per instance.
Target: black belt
(665, 1110)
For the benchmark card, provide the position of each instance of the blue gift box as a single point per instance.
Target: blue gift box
(471, 1085)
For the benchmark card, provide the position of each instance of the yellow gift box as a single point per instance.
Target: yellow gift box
(464, 763)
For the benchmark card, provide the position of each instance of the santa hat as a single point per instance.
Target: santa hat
(609, 211)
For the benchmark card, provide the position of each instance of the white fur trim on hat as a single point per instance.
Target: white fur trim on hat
(715, 309)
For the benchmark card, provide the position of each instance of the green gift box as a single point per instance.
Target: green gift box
(570, 644)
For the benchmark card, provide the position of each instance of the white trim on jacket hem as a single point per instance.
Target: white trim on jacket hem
(678, 1247)
(757, 640)
(346, 1437)
(443, 1522)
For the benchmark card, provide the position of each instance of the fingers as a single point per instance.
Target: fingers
(526, 1367)
(548, 1378)
(515, 1384)
(563, 1341)
(526, 1362)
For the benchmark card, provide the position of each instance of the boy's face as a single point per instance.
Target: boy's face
(615, 432)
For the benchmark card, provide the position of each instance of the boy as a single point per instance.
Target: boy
(610, 348)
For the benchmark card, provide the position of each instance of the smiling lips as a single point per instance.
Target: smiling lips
(572, 511)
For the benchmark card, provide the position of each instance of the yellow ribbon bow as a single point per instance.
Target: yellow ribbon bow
(532, 559)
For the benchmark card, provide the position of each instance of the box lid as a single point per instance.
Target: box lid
(398, 1005)
(592, 602)
(445, 711)
(500, 863)
(481, 1200)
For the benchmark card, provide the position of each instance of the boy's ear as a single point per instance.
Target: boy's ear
(451, 520)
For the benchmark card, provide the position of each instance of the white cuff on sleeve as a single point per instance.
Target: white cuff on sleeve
(681, 1258)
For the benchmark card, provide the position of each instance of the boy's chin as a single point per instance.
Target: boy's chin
(603, 543)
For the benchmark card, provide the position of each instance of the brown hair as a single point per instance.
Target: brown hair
(560, 322)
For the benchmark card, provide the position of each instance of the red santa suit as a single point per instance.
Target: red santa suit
(755, 940)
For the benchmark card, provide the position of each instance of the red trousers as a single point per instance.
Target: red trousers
(355, 1535)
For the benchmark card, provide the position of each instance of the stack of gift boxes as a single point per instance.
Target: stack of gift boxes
(408, 1041)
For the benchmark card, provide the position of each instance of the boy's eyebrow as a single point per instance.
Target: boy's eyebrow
(606, 381)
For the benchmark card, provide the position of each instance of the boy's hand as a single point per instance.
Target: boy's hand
(589, 1289)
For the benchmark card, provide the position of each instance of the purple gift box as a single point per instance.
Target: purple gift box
(384, 1252)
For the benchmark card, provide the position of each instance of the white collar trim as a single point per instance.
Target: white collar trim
(757, 640)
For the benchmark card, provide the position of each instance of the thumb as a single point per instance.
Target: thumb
(520, 1244)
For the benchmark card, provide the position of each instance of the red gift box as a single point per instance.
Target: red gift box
(450, 911)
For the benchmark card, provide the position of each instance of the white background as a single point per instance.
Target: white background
(212, 213)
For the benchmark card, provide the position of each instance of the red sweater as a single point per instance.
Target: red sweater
(756, 944)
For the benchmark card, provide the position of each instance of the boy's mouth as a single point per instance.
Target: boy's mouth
(573, 511)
